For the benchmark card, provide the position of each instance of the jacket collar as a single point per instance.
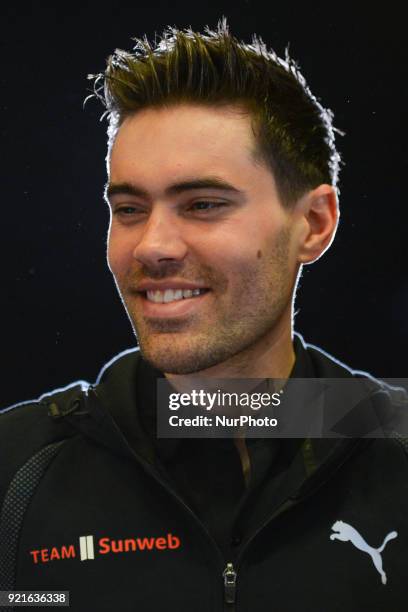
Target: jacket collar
(121, 401)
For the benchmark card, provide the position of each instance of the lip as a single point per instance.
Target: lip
(168, 284)
(172, 310)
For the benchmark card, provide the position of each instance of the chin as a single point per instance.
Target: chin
(171, 359)
(170, 362)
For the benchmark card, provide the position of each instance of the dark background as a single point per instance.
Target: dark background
(61, 316)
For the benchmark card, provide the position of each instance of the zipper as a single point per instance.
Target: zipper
(229, 574)
(230, 584)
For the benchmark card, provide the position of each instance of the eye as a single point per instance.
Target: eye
(126, 211)
(205, 205)
(128, 214)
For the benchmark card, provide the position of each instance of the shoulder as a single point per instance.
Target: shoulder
(326, 365)
(371, 406)
(26, 428)
(121, 366)
(30, 411)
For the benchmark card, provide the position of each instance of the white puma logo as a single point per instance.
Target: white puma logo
(347, 533)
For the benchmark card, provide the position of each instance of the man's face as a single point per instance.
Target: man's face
(191, 209)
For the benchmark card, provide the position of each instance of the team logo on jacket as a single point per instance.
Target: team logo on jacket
(346, 533)
(88, 547)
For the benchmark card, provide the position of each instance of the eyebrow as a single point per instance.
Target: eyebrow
(211, 182)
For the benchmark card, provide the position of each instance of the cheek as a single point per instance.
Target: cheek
(119, 255)
(243, 268)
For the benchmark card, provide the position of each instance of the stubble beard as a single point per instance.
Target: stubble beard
(230, 335)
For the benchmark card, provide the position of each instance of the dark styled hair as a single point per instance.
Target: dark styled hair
(293, 131)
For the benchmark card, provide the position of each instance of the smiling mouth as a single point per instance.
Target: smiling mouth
(172, 295)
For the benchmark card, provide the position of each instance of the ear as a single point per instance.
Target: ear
(319, 213)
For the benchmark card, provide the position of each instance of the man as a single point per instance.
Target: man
(222, 183)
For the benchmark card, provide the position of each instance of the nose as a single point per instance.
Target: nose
(161, 239)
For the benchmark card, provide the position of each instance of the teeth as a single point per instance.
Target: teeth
(171, 295)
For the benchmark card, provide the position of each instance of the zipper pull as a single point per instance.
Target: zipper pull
(230, 583)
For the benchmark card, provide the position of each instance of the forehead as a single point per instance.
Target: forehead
(184, 139)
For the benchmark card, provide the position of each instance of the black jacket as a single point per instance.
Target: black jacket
(84, 510)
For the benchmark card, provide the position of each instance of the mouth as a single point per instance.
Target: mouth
(172, 303)
(172, 295)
